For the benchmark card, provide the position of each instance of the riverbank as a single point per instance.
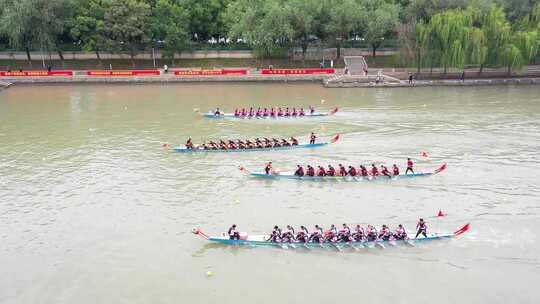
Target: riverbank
(328, 81)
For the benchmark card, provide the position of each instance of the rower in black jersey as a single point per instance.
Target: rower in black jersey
(233, 233)
(421, 228)
(312, 138)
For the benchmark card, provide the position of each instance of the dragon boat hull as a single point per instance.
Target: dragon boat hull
(260, 241)
(290, 175)
(299, 146)
(232, 116)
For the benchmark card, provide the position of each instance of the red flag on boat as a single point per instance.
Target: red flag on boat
(334, 139)
(241, 168)
(462, 230)
(441, 168)
(441, 214)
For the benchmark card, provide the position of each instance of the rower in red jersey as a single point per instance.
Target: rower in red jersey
(294, 112)
(331, 171)
(294, 141)
(258, 113)
(311, 110)
(287, 112)
(352, 171)
(299, 171)
(321, 171)
(342, 170)
(280, 112)
(243, 113)
(265, 112)
(268, 168)
(189, 144)
(409, 166)
(301, 112)
(385, 172)
(363, 171)
(310, 171)
(374, 170)
(251, 113)
(236, 113)
(272, 112)
(395, 169)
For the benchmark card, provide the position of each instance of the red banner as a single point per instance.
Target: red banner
(210, 72)
(114, 73)
(36, 73)
(296, 71)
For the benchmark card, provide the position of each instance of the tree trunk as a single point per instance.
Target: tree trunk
(509, 70)
(444, 71)
(61, 56)
(28, 56)
(338, 50)
(304, 50)
(132, 55)
(374, 49)
(172, 60)
(481, 68)
(98, 56)
(418, 63)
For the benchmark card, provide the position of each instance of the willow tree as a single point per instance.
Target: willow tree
(478, 47)
(498, 32)
(451, 35)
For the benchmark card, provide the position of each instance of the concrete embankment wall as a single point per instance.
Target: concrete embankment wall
(352, 83)
(272, 78)
(167, 79)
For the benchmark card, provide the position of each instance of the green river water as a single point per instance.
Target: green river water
(94, 210)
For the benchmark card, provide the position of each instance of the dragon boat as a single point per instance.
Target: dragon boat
(199, 149)
(262, 241)
(291, 175)
(232, 116)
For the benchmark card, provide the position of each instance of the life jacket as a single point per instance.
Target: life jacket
(396, 171)
(364, 171)
(374, 171)
(409, 163)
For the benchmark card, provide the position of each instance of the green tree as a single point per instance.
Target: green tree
(206, 18)
(170, 26)
(344, 18)
(305, 21)
(126, 26)
(262, 24)
(34, 24)
(382, 19)
(86, 26)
